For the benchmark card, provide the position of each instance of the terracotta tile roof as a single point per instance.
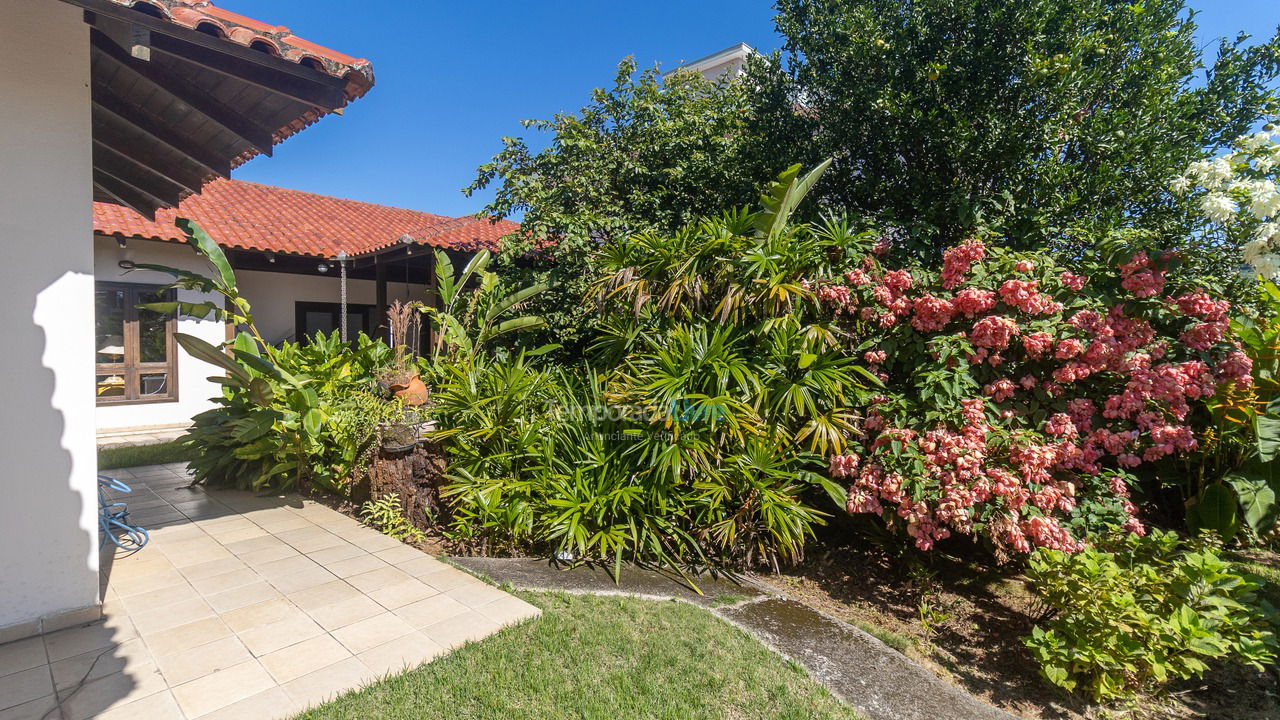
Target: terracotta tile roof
(261, 217)
(279, 40)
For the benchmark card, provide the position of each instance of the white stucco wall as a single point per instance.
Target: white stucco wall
(272, 296)
(48, 552)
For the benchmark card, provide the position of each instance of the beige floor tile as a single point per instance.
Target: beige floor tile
(258, 558)
(249, 532)
(475, 596)
(335, 553)
(226, 581)
(255, 544)
(281, 634)
(371, 632)
(236, 598)
(130, 655)
(222, 688)
(448, 579)
(184, 637)
(362, 563)
(403, 653)
(301, 580)
(44, 708)
(287, 566)
(24, 686)
(127, 586)
(317, 542)
(259, 614)
(272, 704)
(160, 706)
(377, 579)
(400, 594)
(156, 599)
(96, 697)
(508, 610)
(327, 594)
(329, 682)
(467, 627)
(307, 656)
(420, 566)
(216, 567)
(372, 540)
(77, 641)
(136, 566)
(199, 557)
(432, 610)
(21, 655)
(171, 616)
(342, 614)
(196, 662)
(401, 554)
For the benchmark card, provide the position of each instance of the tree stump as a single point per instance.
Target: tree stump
(415, 475)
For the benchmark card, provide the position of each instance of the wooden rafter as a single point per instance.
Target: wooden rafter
(175, 173)
(106, 50)
(125, 195)
(161, 189)
(105, 103)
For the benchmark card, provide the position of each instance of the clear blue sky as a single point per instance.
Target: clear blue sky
(454, 77)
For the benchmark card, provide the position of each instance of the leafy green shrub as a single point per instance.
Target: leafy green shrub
(703, 440)
(1150, 610)
(272, 425)
(387, 514)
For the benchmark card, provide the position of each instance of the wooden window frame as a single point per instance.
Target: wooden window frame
(132, 370)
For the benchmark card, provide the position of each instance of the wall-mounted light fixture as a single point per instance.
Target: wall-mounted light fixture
(323, 267)
(122, 243)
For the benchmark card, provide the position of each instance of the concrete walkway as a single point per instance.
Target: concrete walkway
(878, 681)
(244, 606)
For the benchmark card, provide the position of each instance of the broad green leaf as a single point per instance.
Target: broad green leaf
(204, 351)
(1267, 427)
(209, 248)
(1215, 510)
(1256, 484)
(312, 421)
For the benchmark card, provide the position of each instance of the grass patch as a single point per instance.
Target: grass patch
(138, 455)
(724, 599)
(901, 643)
(600, 657)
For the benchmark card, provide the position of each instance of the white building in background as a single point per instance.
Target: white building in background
(284, 246)
(730, 61)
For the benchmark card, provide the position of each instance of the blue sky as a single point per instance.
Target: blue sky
(454, 77)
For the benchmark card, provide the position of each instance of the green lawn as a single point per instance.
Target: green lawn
(600, 657)
(135, 456)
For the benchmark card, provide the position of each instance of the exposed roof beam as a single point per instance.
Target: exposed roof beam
(111, 142)
(106, 103)
(197, 99)
(308, 91)
(160, 26)
(120, 167)
(125, 195)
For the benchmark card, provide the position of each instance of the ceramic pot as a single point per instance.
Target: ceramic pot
(414, 393)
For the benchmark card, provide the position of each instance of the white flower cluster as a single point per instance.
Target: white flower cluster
(1242, 188)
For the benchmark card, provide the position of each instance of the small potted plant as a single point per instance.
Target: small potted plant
(400, 378)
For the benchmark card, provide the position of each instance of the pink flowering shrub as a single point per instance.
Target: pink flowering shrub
(1018, 395)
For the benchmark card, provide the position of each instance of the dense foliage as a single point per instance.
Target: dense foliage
(645, 154)
(1140, 614)
(701, 435)
(292, 415)
(1019, 395)
(1030, 116)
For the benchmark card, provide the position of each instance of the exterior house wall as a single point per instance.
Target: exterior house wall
(272, 296)
(49, 558)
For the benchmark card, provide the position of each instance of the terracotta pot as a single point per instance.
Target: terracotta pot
(414, 393)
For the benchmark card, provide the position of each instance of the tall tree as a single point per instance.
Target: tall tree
(1032, 116)
(647, 154)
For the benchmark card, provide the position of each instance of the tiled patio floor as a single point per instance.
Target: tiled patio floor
(244, 606)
